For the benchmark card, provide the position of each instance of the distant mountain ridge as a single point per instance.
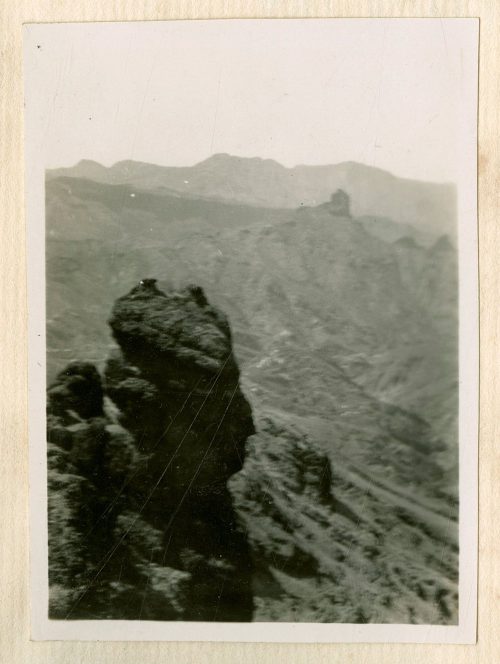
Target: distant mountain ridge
(430, 207)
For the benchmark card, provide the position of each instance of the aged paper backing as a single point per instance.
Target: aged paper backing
(15, 609)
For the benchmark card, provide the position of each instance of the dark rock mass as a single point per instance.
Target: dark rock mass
(141, 522)
(339, 204)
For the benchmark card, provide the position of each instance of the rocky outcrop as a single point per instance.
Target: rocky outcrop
(141, 523)
(286, 481)
(332, 544)
(339, 204)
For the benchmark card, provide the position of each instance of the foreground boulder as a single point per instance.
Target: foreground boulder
(141, 523)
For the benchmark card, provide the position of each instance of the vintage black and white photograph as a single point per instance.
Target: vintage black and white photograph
(253, 374)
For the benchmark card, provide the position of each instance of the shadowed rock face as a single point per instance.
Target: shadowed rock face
(177, 358)
(141, 523)
(77, 392)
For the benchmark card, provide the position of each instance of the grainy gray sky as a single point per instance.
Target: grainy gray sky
(382, 92)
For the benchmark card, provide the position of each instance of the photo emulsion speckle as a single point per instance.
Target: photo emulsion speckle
(251, 321)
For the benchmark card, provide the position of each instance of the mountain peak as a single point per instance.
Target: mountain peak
(89, 162)
(443, 244)
(223, 158)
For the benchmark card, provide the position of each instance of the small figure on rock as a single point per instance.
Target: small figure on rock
(146, 287)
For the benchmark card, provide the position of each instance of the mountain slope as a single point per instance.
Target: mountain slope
(265, 183)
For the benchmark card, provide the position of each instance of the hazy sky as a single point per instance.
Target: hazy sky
(383, 92)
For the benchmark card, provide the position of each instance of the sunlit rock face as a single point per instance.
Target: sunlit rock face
(141, 522)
